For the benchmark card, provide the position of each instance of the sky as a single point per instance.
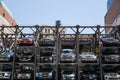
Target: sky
(69, 12)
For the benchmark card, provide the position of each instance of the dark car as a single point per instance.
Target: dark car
(109, 41)
(110, 55)
(46, 57)
(7, 55)
(26, 41)
(25, 57)
(89, 76)
(111, 58)
(47, 42)
(67, 55)
(68, 75)
(47, 74)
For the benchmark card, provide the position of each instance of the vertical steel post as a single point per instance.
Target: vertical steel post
(99, 56)
(57, 46)
(77, 50)
(13, 64)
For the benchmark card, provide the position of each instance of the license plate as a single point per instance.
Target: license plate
(45, 75)
(24, 58)
(23, 76)
(112, 57)
(46, 40)
(46, 59)
(25, 41)
(113, 77)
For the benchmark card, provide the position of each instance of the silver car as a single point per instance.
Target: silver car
(88, 57)
(67, 55)
(6, 55)
(68, 75)
(45, 75)
(111, 76)
(5, 75)
(23, 75)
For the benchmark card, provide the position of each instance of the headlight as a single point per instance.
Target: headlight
(50, 74)
(73, 56)
(116, 40)
(72, 75)
(94, 57)
(61, 56)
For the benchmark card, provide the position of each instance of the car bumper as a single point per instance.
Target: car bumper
(67, 60)
(4, 58)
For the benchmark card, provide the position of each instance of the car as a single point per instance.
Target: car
(47, 42)
(111, 58)
(46, 57)
(68, 75)
(26, 41)
(89, 76)
(110, 55)
(109, 41)
(111, 76)
(6, 55)
(5, 75)
(67, 55)
(23, 75)
(47, 74)
(88, 57)
(25, 49)
(25, 57)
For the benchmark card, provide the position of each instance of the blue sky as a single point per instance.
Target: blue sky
(46, 12)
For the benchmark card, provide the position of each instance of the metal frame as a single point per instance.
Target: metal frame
(77, 36)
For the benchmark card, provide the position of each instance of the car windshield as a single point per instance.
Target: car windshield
(109, 51)
(67, 72)
(66, 51)
(87, 53)
(46, 54)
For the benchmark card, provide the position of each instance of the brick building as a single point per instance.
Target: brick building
(112, 17)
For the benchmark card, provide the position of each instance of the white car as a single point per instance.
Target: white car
(111, 76)
(88, 57)
(67, 55)
(5, 75)
(24, 75)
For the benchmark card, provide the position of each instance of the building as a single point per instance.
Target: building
(50, 30)
(112, 17)
(6, 17)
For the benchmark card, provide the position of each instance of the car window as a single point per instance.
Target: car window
(67, 72)
(46, 54)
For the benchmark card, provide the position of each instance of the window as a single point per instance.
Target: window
(48, 30)
(45, 30)
(3, 14)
